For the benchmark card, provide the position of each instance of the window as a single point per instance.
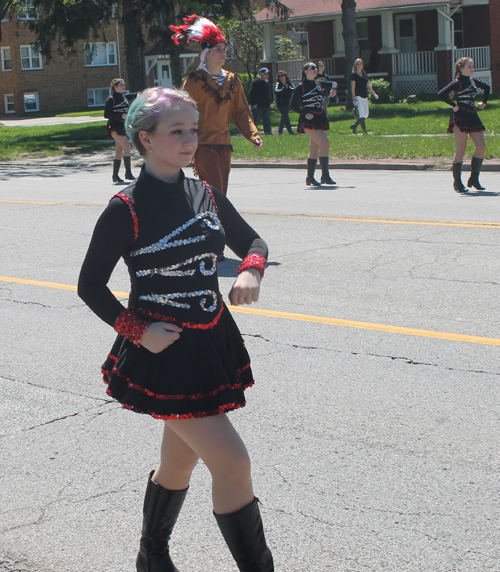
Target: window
(97, 97)
(459, 30)
(6, 60)
(100, 54)
(362, 33)
(30, 58)
(8, 100)
(27, 11)
(31, 102)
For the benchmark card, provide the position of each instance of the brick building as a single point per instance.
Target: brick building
(411, 43)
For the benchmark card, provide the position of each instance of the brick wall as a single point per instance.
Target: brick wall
(320, 38)
(426, 24)
(476, 33)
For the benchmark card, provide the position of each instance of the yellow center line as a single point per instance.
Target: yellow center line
(345, 218)
(304, 317)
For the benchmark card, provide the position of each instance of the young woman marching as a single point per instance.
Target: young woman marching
(308, 102)
(179, 355)
(360, 87)
(115, 111)
(465, 121)
(283, 89)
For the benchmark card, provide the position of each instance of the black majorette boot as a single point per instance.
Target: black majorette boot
(116, 168)
(363, 125)
(161, 509)
(128, 172)
(475, 167)
(457, 179)
(311, 167)
(325, 174)
(244, 535)
(354, 126)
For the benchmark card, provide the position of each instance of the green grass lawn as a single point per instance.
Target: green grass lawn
(396, 131)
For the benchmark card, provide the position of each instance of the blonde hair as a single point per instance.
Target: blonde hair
(460, 64)
(149, 108)
(356, 63)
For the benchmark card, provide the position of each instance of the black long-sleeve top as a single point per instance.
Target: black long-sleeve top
(114, 108)
(162, 218)
(466, 89)
(307, 97)
(283, 93)
(260, 93)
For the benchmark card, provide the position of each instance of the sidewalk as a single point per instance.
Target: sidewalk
(104, 158)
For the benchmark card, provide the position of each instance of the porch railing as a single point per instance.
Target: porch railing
(294, 67)
(410, 63)
(481, 56)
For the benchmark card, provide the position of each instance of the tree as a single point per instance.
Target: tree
(5, 7)
(351, 43)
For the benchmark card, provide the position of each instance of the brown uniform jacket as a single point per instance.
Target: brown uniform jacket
(218, 106)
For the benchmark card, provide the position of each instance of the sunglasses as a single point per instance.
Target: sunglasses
(281, 75)
(311, 68)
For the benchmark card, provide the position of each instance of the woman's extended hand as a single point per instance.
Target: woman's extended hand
(333, 92)
(481, 105)
(309, 115)
(246, 288)
(159, 336)
(456, 108)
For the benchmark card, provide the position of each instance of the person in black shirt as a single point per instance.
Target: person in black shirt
(179, 355)
(260, 100)
(360, 87)
(323, 76)
(307, 100)
(464, 121)
(115, 111)
(284, 90)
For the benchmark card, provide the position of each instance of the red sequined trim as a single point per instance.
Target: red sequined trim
(253, 261)
(161, 318)
(130, 205)
(210, 192)
(218, 411)
(130, 326)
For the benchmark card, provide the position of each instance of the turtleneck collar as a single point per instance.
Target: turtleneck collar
(150, 183)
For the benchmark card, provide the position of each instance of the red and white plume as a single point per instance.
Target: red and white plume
(199, 30)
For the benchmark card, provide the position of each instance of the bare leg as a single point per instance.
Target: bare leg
(313, 147)
(122, 145)
(460, 143)
(321, 142)
(215, 440)
(479, 143)
(177, 462)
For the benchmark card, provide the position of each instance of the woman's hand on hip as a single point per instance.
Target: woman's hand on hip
(309, 115)
(481, 105)
(456, 108)
(159, 336)
(246, 288)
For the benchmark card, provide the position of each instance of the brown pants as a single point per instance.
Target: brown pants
(212, 164)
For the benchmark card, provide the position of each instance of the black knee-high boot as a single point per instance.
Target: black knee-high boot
(475, 167)
(244, 535)
(363, 125)
(457, 178)
(325, 173)
(128, 172)
(116, 168)
(354, 126)
(311, 167)
(161, 509)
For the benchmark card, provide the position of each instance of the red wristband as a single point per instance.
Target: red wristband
(253, 261)
(130, 326)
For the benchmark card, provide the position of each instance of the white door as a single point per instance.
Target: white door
(163, 77)
(406, 33)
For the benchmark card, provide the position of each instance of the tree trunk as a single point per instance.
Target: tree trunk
(134, 42)
(351, 44)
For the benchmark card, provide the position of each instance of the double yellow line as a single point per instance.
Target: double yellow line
(303, 317)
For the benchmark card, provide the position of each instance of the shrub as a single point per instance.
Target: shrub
(384, 91)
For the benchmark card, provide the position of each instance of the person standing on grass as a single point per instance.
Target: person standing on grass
(179, 355)
(322, 76)
(284, 90)
(360, 87)
(464, 121)
(115, 111)
(260, 100)
(220, 98)
(307, 101)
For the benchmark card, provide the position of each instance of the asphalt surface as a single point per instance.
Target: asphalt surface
(372, 450)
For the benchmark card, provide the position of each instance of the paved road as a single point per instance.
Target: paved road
(373, 450)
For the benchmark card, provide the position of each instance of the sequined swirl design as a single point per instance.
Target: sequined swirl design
(170, 299)
(173, 270)
(210, 219)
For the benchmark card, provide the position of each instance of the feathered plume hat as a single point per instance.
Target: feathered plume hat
(200, 30)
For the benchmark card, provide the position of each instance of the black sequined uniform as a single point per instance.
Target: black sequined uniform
(117, 105)
(308, 98)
